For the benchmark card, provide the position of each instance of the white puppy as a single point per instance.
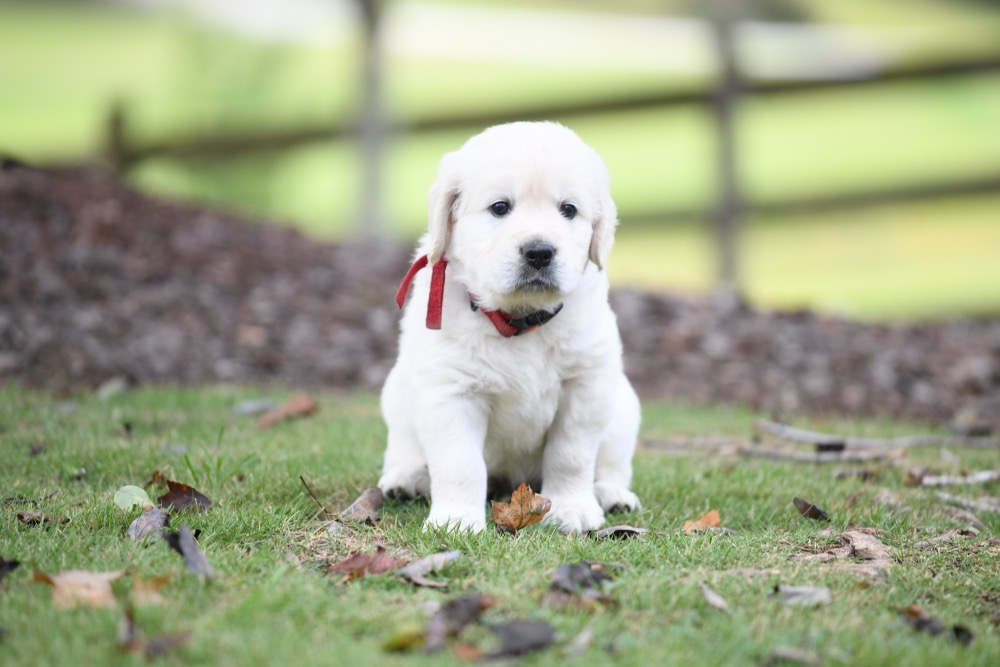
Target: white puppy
(510, 362)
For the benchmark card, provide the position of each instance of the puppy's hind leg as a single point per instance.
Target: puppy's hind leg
(613, 472)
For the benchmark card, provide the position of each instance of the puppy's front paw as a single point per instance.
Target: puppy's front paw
(403, 484)
(575, 514)
(456, 519)
(615, 498)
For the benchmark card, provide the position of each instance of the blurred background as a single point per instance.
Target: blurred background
(841, 155)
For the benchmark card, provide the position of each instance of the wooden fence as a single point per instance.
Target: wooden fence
(371, 128)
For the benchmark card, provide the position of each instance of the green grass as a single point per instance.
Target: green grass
(272, 604)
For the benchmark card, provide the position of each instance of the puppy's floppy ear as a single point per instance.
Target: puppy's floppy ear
(605, 221)
(441, 210)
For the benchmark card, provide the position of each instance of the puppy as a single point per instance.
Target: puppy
(510, 361)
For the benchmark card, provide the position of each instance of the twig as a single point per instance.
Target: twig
(315, 499)
(857, 456)
(986, 504)
(820, 439)
(980, 477)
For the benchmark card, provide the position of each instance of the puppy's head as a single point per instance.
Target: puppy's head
(520, 211)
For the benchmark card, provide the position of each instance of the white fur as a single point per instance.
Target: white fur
(463, 403)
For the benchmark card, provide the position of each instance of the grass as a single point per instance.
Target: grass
(272, 603)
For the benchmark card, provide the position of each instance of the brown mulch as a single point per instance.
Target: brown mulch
(98, 281)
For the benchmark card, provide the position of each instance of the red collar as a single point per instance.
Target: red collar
(506, 324)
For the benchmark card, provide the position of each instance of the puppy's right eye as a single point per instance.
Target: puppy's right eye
(500, 208)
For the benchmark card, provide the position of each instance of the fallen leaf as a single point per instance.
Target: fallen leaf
(147, 591)
(467, 651)
(74, 587)
(782, 655)
(810, 510)
(8, 566)
(180, 496)
(618, 532)
(253, 406)
(920, 620)
(153, 521)
(358, 565)
(39, 518)
(296, 406)
(803, 596)
(365, 508)
(150, 647)
(948, 536)
(520, 637)
(416, 571)
(525, 508)
(579, 645)
(129, 496)
(449, 620)
(578, 586)
(708, 520)
(714, 599)
(963, 516)
(405, 637)
(183, 542)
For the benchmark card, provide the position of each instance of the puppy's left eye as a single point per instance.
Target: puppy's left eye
(568, 211)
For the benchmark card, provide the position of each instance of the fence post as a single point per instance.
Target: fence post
(728, 214)
(372, 124)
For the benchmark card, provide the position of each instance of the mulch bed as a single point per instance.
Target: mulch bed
(98, 281)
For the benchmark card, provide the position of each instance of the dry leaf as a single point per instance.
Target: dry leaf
(921, 621)
(74, 587)
(714, 599)
(153, 521)
(449, 620)
(150, 647)
(147, 591)
(358, 565)
(39, 518)
(183, 542)
(520, 637)
(180, 496)
(296, 406)
(365, 508)
(525, 508)
(709, 520)
(578, 586)
(803, 596)
(8, 566)
(416, 571)
(810, 510)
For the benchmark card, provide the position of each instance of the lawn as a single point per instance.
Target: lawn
(273, 602)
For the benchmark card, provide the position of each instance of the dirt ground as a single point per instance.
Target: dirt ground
(98, 282)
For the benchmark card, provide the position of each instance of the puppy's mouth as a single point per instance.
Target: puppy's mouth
(536, 282)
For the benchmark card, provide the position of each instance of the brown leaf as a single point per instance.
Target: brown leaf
(415, 572)
(578, 587)
(8, 566)
(525, 508)
(365, 508)
(358, 565)
(74, 587)
(296, 406)
(701, 525)
(147, 591)
(449, 620)
(810, 510)
(150, 647)
(921, 621)
(183, 542)
(153, 521)
(180, 496)
(38, 518)
(520, 637)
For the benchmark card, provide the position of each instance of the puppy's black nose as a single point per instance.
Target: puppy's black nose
(537, 254)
